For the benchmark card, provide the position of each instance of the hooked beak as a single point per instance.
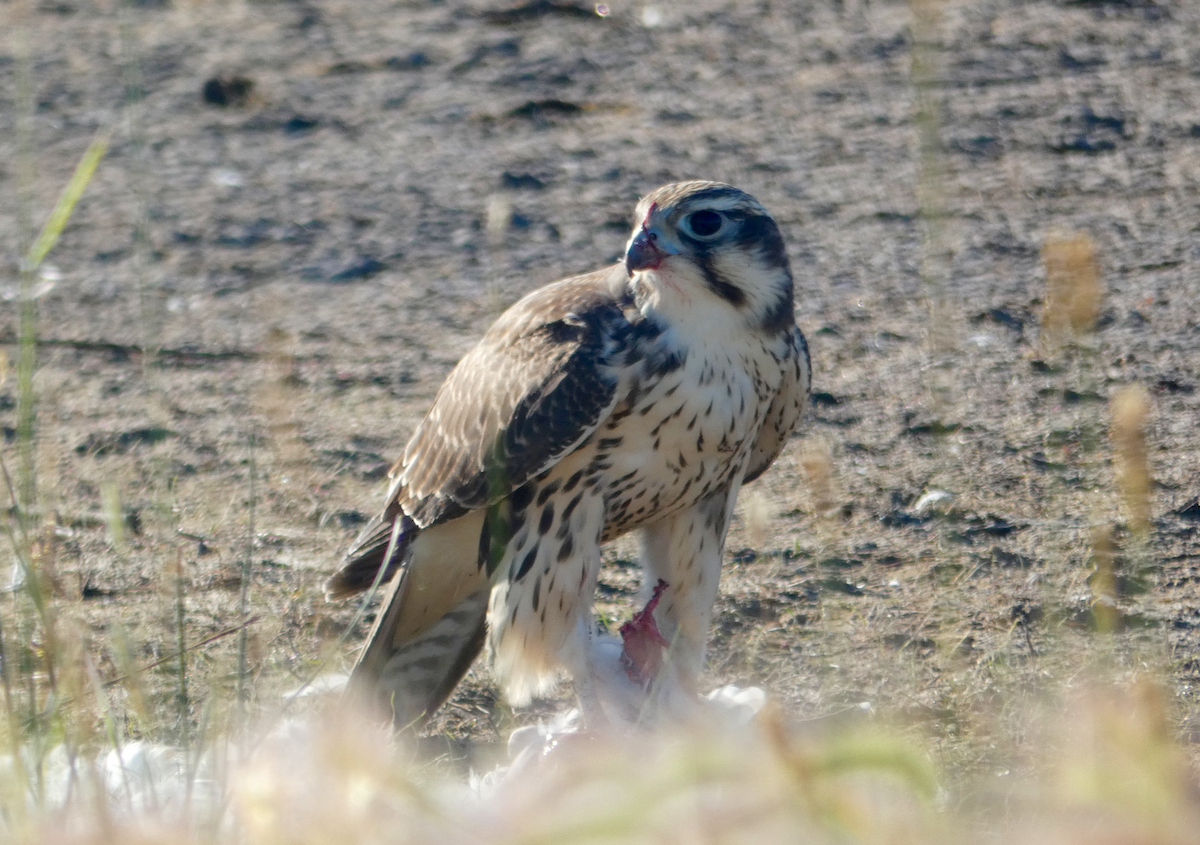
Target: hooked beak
(643, 252)
(647, 248)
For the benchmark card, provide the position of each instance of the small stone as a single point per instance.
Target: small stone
(933, 501)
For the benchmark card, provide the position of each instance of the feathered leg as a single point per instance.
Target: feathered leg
(685, 550)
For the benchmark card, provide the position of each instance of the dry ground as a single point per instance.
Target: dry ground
(311, 258)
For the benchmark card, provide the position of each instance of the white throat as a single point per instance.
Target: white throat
(678, 296)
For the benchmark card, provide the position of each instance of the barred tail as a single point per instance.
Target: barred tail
(430, 626)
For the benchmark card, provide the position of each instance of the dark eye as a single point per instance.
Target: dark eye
(705, 224)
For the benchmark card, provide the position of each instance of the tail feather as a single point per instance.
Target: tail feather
(412, 681)
(431, 624)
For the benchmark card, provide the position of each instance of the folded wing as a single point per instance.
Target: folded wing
(534, 389)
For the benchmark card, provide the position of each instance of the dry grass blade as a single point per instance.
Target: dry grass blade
(1122, 770)
(179, 578)
(1073, 288)
(1130, 408)
(243, 692)
(756, 511)
(1104, 581)
(932, 194)
(212, 638)
(66, 202)
(816, 465)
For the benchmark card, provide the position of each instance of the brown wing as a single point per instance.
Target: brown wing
(785, 411)
(534, 388)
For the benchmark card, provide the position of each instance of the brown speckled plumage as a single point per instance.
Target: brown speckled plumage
(638, 397)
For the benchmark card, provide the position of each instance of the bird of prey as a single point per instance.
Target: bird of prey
(639, 397)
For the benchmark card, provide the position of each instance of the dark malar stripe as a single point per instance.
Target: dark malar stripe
(722, 287)
(781, 316)
(760, 234)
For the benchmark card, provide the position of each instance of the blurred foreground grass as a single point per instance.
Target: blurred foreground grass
(1106, 770)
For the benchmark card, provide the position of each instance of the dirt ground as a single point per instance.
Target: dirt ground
(311, 209)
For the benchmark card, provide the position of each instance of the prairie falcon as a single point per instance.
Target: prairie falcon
(639, 397)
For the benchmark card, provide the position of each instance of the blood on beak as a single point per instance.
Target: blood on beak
(643, 252)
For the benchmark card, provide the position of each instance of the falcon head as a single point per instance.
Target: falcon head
(710, 243)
